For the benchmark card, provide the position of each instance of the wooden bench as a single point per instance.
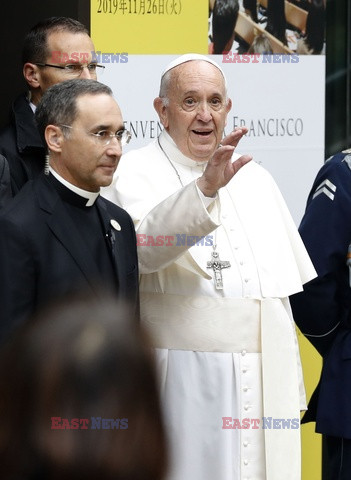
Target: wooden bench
(294, 15)
(247, 29)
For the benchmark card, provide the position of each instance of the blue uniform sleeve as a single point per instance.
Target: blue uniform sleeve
(324, 305)
(326, 225)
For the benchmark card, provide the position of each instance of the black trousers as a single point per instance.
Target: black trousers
(338, 452)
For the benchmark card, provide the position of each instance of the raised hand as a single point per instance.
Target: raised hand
(220, 169)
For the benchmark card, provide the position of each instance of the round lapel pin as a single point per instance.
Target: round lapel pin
(115, 225)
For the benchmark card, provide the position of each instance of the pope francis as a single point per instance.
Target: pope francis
(219, 254)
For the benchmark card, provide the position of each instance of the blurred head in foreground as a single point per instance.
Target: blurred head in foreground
(79, 397)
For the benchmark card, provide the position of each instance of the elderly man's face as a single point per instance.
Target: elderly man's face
(83, 160)
(197, 111)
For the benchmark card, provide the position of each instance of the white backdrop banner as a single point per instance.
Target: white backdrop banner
(282, 104)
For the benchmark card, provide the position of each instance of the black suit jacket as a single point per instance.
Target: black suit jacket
(21, 145)
(5, 188)
(43, 256)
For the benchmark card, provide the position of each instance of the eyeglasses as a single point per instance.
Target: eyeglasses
(75, 69)
(104, 137)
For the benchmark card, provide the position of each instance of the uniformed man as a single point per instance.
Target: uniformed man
(323, 310)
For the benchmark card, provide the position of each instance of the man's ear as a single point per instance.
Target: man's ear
(54, 138)
(161, 110)
(31, 74)
(228, 108)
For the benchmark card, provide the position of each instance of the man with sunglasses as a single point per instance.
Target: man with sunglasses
(58, 236)
(56, 49)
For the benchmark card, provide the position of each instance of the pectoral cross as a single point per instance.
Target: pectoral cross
(217, 265)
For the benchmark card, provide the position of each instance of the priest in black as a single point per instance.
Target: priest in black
(58, 236)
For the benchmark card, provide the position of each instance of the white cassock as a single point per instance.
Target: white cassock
(227, 358)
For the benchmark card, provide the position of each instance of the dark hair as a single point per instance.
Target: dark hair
(315, 26)
(224, 17)
(251, 7)
(276, 21)
(85, 359)
(58, 105)
(35, 49)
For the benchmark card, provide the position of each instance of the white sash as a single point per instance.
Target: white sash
(233, 325)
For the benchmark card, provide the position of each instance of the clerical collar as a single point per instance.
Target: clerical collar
(31, 104)
(172, 151)
(89, 197)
